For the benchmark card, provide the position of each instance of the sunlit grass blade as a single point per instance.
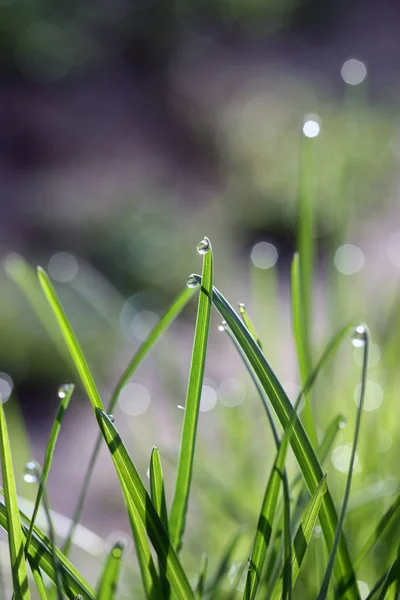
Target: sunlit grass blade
(330, 433)
(108, 584)
(158, 498)
(40, 554)
(164, 323)
(201, 584)
(188, 441)
(15, 537)
(390, 588)
(70, 339)
(303, 535)
(249, 323)
(135, 492)
(388, 522)
(223, 567)
(299, 321)
(65, 393)
(364, 335)
(38, 580)
(302, 447)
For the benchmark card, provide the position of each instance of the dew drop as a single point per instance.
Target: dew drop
(359, 337)
(79, 597)
(203, 246)
(63, 390)
(191, 281)
(342, 423)
(222, 326)
(242, 308)
(180, 407)
(31, 472)
(111, 417)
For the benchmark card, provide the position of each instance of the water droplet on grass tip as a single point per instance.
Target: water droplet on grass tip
(111, 417)
(222, 326)
(342, 423)
(203, 246)
(63, 390)
(359, 337)
(191, 281)
(242, 308)
(31, 472)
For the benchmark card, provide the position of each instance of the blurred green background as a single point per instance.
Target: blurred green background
(128, 131)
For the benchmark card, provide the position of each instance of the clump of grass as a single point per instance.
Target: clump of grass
(272, 559)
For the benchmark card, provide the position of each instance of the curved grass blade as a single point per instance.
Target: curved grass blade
(15, 538)
(223, 568)
(185, 465)
(157, 492)
(331, 431)
(168, 318)
(388, 522)
(107, 588)
(66, 394)
(40, 554)
(249, 323)
(325, 584)
(301, 338)
(137, 496)
(201, 584)
(302, 447)
(70, 340)
(390, 587)
(303, 534)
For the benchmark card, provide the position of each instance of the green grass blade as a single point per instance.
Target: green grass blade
(330, 433)
(389, 590)
(135, 491)
(299, 321)
(38, 580)
(188, 441)
(65, 393)
(168, 318)
(302, 447)
(332, 557)
(304, 533)
(70, 340)
(15, 538)
(40, 554)
(158, 498)
(223, 567)
(107, 588)
(249, 323)
(201, 584)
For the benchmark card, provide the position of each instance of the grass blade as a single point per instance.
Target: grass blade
(188, 441)
(70, 339)
(299, 319)
(249, 323)
(158, 498)
(107, 588)
(164, 323)
(389, 590)
(40, 555)
(303, 534)
(300, 442)
(201, 584)
(65, 393)
(15, 538)
(223, 567)
(331, 431)
(38, 580)
(362, 331)
(135, 492)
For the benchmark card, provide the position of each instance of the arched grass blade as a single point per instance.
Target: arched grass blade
(201, 584)
(301, 338)
(168, 318)
(158, 498)
(325, 584)
(108, 584)
(185, 465)
(66, 393)
(70, 340)
(303, 534)
(40, 555)
(302, 447)
(330, 433)
(223, 568)
(135, 492)
(13, 528)
(388, 522)
(249, 323)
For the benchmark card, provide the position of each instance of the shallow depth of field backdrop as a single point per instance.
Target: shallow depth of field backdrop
(128, 131)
